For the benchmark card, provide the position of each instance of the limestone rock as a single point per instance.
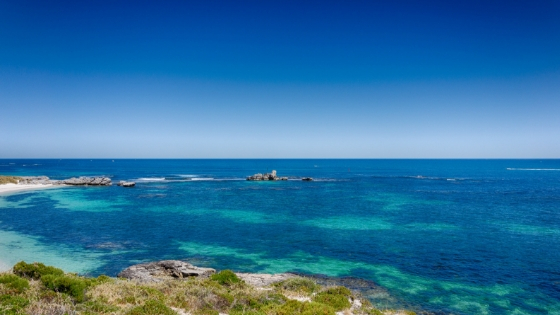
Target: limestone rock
(166, 269)
(126, 184)
(263, 279)
(44, 180)
(266, 176)
(94, 181)
(34, 180)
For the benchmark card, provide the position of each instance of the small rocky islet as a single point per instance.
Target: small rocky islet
(272, 177)
(175, 287)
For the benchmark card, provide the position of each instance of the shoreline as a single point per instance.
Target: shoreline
(180, 288)
(6, 189)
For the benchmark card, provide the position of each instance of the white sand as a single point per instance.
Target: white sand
(4, 266)
(9, 188)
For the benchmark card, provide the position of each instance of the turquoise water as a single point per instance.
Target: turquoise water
(450, 236)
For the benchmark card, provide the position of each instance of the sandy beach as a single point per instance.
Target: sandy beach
(10, 188)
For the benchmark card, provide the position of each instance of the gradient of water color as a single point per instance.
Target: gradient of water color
(457, 236)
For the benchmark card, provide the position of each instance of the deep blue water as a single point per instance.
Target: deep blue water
(458, 236)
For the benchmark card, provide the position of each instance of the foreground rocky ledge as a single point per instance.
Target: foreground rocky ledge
(160, 271)
(173, 287)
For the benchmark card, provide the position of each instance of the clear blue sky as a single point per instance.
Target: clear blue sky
(273, 79)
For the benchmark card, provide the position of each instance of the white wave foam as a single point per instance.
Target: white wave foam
(532, 169)
(151, 179)
(201, 178)
(181, 175)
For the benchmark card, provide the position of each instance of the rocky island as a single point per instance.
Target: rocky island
(272, 176)
(266, 176)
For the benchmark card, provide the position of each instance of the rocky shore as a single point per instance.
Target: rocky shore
(160, 271)
(74, 181)
(175, 287)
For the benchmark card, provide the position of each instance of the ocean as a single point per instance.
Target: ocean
(444, 236)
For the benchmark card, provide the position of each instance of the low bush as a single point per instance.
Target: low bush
(151, 307)
(293, 307)
(206, 311)
(70, 285)
(95, 307)
(336, 297)
(9, 179)
(12, 305)
(35, 270)
(301, 285)
(13, 283)
(248, 303)
(225, 277)
(246, 312)
(90, 282)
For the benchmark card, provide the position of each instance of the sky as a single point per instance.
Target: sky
(280, 79)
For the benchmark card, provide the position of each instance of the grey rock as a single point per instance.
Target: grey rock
(94, 181)
(307, 179)
(266, 176)
(126, 184)
(44, 180)
(263, 279)
(166, 269)
(35, 180)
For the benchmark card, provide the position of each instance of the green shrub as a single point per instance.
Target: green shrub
(225, 277)
(95, 307)
(313, 308)
(35, 270)
(246, 312)
(72, 286)
(336, 297)
(372, 311)
(303, 285)
(14, 283)
(251, 305)
(9, 179)
(293, 307)
(140, 293)
(90, 282)
(12, 305)
(151, 307)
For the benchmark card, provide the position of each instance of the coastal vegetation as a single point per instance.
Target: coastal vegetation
(9, 179)
(39, 289)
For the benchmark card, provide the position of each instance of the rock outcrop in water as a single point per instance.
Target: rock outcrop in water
(94, 181)
(266, 176)
(166, 269)
(74, 181)
(126, 184)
